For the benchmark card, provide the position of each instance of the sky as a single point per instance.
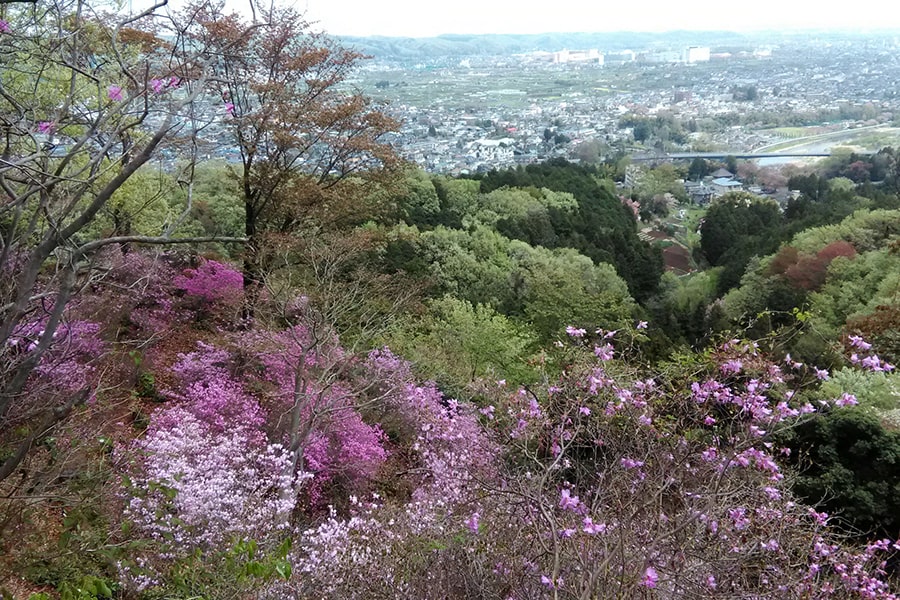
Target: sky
(423, 18)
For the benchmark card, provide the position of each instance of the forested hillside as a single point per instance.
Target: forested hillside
(313, 371)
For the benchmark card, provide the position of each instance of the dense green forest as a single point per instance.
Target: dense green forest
(315, 371)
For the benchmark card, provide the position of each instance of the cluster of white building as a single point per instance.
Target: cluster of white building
(690, 55)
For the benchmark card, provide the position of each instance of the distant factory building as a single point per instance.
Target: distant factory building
(578, 56)
(696, 54)
(623, 56)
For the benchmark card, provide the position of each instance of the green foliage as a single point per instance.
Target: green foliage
(87, 588)
(872, 389)
(217, 205)
(457, 198)
(680, 309)
(145, 381)
(472, 265)
(601, 228)
(458, 342)
(855, 288)
(548, 289)
(849, 466)
(245, 568)
(144, 205)
(865, 229)
(664, 179)
(699, 169)
(420, 204)
(554, 289)
(737, 227)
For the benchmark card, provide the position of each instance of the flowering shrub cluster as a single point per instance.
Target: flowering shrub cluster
(604, 482)
(307, 375)
(142, 293)
(205, 474)
(66, 363)
(672, 483)
(64, 366)
(212, 286)
(374, 551)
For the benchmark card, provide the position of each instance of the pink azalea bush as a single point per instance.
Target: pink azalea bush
(668, 483)
(372, 551)
(62, 365)
(606, 481)
(212, 286)
(205, 475)
(312, 371)
(142, 297)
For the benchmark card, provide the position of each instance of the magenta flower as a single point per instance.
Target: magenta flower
(575, 332)
(229, 108)
(45, 127)
(584, 410)
(4, 27)
(472, 522)
(604, 352)
(732, 366)
(772, 493)
(650, 578)
(114, 93)
(592, 528)
(157, 85)
(630, 463)
(567, 501)
(859, 343)
(846, 400)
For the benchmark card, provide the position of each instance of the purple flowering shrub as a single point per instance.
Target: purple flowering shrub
(147, 297)
(373, 551)
(132, 294)
(214, 468)
(305, 374)
(205, 475)
(213, 288)
(65, 364)
(626, 482)
(604, 483)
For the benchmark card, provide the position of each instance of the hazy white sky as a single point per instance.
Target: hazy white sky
(425, 18)
(420, 18)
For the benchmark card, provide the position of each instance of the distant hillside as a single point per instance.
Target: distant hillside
(399, 48)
